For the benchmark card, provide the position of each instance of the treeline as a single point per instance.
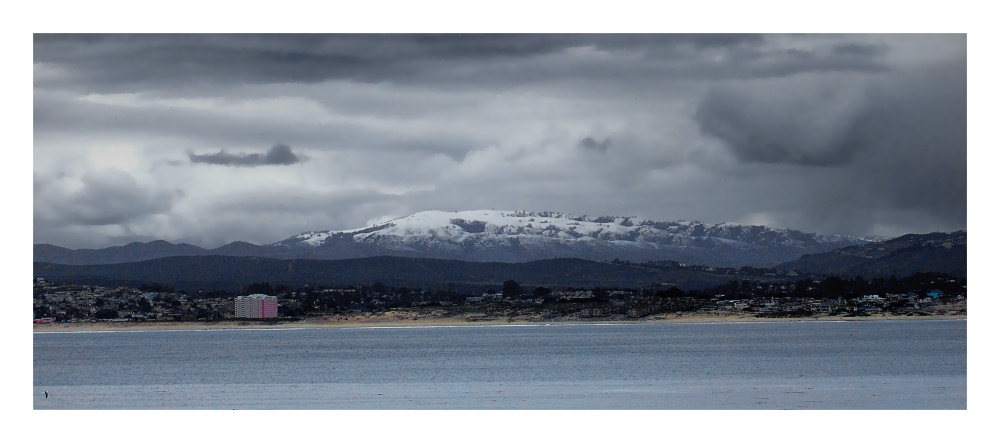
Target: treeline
(829, 287)
(380, 297)
(836, 287)
(509, 299)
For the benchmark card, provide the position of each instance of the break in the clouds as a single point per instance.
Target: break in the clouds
(176, 137)
(279, 154)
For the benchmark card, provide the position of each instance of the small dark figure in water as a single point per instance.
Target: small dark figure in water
(46, 394)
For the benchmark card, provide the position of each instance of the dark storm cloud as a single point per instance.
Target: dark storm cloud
(889, 152)
(279, 154)
(839, 134)
(914, 158)
(803, 130)
(823, 122)
(524, 45)
(107, 197)
(150, 61)
(857, 49)
(143, 61)
(593, 145)
(59, 113)
(785, 62)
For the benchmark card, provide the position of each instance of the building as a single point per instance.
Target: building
(256, 306)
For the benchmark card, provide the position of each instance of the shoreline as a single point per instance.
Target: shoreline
(403, 320)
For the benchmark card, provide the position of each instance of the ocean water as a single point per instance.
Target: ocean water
(776, 365)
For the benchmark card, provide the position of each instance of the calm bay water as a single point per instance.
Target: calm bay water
(780, 365)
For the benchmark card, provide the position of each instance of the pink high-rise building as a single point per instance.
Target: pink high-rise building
(256, 306)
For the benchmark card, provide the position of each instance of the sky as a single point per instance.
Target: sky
(212, 138)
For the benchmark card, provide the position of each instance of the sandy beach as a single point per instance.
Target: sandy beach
(410, 319)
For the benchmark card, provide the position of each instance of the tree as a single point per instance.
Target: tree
(672, 291)
(144, 305)
(801, 289)
(155, 287)
(105, 314)
(41, 311)
(511, 288)
(541, 291)
(259, 288)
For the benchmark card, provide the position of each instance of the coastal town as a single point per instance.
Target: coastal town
(918, 295)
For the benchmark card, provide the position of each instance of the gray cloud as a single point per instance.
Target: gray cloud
(150, 61)
(63, 114)
(114, 197)
(893, 151)
(593, 145)
(270, 215)
(913, 167)
(106, 197)
(852, 49)
(279, 154)
(807, 123)
(840, 134)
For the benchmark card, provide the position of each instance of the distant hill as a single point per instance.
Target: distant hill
(131, 252)
(233, 273)
(503, 236)
(901, 256)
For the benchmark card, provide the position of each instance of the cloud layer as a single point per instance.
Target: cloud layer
(141, 137)
(280, 154)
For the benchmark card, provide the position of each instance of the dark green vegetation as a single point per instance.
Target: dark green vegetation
(920, 294)
(905, 255)
(909, 275)
(208, 273)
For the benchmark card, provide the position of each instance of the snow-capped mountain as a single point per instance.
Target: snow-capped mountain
(515, 236)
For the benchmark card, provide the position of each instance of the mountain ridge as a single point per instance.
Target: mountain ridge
(232, 273)
(504, 236)
(901, 257)
(904, 255)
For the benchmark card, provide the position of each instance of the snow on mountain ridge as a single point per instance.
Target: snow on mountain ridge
(519, 236)
(483, 228)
